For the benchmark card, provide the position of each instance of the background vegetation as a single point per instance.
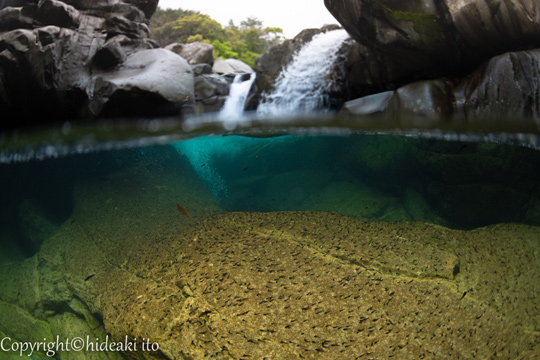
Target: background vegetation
(244, 42)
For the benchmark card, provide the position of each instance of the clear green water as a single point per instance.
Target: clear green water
(333, 245)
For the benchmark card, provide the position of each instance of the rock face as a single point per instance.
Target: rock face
(477, 43)
(71, 59)
(434, 37)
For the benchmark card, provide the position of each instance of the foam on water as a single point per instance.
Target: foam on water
(234, 106)
(302, 87)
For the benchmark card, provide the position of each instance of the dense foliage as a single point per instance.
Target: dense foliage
(243, 42)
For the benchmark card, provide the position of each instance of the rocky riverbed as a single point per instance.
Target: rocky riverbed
(231, 285)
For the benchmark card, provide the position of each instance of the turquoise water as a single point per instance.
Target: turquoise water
(93, 244)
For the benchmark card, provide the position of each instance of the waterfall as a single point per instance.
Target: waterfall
(239, 91)
(303, 85)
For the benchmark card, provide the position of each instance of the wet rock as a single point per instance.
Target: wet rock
(231, 66)
(232, 284)
(416, 32)
(209, 85)
(504, 91)
(464, 41)
(439, 38)
(426, 102)
(492, 27)
(155, 71)
(194, 53)
(269, 65)
(62, 54)
(211, 104)
(201, 69)
(490, 179)
(376, 104)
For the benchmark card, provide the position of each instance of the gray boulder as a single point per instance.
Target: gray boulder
(78, 58)
(231, 66)
(504, 89)
(16, 18)
(210, 85)
(195, 53)
(479, 44)
(201, 69)
(440, 38)
(417, 32)
(239, 66)
(423, 103)
(268, 65)
(493, 27)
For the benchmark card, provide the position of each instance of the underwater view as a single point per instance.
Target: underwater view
(367, 190)
(291, 246)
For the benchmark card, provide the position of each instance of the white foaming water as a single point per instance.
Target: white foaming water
(303, 85)
(239, 91)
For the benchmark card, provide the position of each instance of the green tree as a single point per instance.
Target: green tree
(244, 42)
(198, 24)
(251, 23)
(162, 25)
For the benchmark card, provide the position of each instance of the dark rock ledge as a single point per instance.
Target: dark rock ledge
(467, 61)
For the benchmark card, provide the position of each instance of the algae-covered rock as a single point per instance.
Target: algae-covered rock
(237, 284)
(347, 198)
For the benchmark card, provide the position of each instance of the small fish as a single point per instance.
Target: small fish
(182, 209)
(89, 277)
(247, 167)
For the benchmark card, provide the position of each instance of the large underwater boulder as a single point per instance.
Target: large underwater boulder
(52, 54)
(155, 72)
